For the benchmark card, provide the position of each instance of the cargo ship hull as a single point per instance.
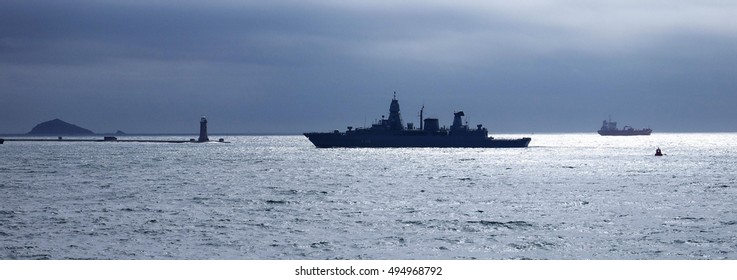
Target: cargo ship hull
(642, 132)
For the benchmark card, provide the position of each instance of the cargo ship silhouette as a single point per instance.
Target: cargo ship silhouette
(609, 128)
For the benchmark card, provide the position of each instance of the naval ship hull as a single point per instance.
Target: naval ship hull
(343, 140)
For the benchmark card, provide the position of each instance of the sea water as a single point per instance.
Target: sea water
(567, 196)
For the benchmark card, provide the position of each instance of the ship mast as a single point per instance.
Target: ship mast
(395, 119)
(422, 109)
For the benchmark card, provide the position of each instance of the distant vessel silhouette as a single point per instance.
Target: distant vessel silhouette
(609, 128)
(392, 133)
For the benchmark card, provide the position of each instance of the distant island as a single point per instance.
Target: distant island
(58, 127)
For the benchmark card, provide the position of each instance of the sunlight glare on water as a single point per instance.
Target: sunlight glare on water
(567, 196)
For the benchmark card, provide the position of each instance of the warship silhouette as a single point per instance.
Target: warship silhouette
(392, 133)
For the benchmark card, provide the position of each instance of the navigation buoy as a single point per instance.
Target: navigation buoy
(658, 152)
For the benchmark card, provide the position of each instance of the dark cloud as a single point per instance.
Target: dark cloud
(293, 66)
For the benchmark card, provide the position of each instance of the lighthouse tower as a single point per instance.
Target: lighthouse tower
(203, 130)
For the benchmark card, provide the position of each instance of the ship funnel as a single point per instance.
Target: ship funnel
(432, 125)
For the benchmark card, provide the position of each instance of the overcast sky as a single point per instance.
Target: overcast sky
(153, 66)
